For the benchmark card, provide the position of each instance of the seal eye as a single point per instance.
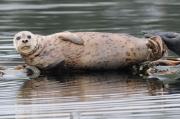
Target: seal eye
(18, 38)
(29, 37)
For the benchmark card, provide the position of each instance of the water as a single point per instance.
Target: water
(107, 95)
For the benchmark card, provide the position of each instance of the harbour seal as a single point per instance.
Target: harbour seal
(86, 50)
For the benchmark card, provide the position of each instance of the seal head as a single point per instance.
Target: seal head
(25, 42)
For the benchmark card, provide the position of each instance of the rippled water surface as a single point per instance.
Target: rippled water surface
(105, 95)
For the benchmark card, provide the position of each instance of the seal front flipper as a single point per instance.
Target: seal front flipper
(68, 36)
(32, 71)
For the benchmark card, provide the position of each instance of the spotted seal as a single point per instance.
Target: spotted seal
(86, 50)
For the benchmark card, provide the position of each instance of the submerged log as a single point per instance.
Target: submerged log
(163, 69)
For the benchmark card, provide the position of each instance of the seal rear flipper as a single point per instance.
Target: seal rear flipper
(68, 36)
(171, 39)
(156, 47)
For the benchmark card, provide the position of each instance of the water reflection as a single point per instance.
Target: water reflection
(90, 84)
(91, 95)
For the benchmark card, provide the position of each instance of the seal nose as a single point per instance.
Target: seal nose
(24, 41)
